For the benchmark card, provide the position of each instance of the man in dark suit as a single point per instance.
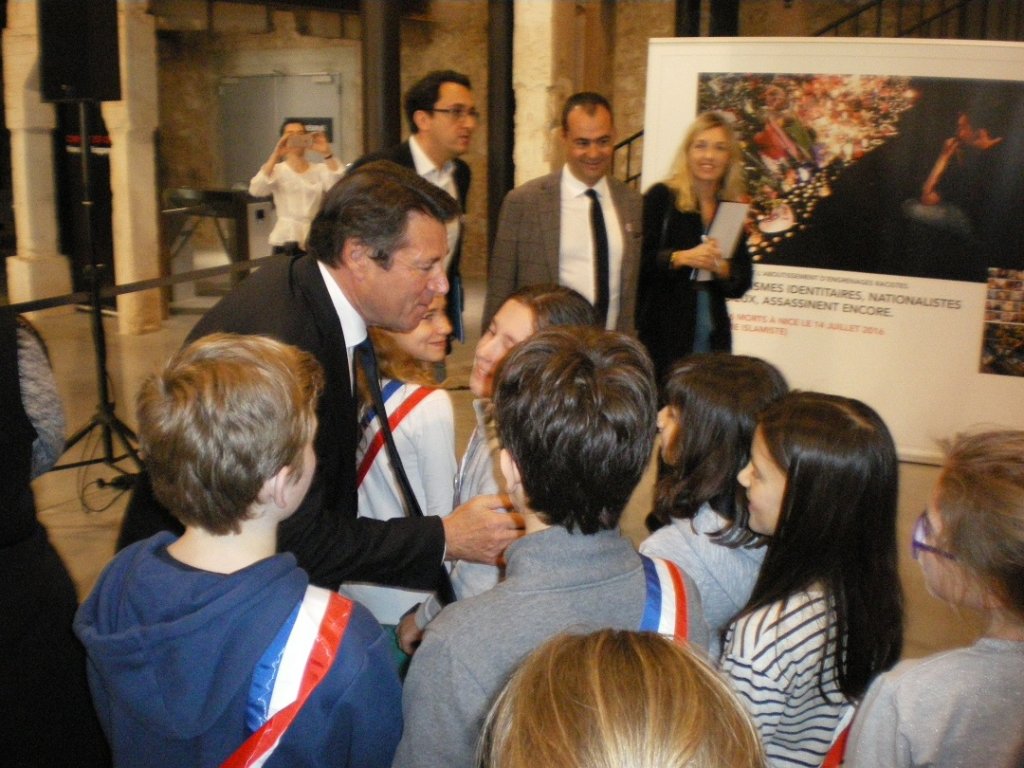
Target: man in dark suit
(375, 256)
(442, 118)
(546, 228)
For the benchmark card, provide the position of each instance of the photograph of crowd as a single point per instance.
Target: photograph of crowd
(881, 174)
(1002, 350)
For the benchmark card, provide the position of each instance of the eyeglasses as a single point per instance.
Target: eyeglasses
(459, 113)
(919, 539)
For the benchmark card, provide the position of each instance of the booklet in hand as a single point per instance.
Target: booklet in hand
(727, 226)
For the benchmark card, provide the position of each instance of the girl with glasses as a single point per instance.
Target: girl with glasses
(966, 706)
(825, 614)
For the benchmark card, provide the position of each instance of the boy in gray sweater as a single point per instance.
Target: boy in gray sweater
(575, 412)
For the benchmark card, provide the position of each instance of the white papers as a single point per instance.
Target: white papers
(727, 226)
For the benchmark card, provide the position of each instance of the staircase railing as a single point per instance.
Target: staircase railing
(956, 19)
(626, 158)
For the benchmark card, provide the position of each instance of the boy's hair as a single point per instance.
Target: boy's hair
(554, 305)
(717, 398)
(622, 699)
(981, 501)
(837, 527)
(425, 92)
(224, 416)
(575, 408)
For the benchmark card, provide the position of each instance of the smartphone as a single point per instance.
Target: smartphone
(300, 141)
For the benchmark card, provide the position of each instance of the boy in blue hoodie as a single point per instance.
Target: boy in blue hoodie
(211, 649)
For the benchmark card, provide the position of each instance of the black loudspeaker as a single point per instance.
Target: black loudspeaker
(78, 53)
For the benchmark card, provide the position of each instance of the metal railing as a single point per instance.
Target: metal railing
(626, 158)
(942, 19)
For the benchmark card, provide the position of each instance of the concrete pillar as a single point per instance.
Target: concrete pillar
(38, 270)
(132, 123)
(382, 88)
(537, 100)
(558, 48)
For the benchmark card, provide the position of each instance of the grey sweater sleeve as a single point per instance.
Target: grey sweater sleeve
(41, 401)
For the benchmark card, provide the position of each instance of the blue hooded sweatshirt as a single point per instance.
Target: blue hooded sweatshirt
(171, 654)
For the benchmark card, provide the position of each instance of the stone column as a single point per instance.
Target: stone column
(131, 123)
(38, 270)
(533, 64)
(549, 65)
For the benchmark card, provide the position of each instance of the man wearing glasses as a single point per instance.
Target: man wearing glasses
(442, 119)
(578, 226)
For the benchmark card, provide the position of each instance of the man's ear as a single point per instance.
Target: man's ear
(509, 470)
(421, 119)
(355, 255)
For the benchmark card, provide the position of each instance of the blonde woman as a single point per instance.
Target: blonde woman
(685, 277)
(616, 699)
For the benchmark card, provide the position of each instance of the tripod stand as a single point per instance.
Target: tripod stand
(105, 419)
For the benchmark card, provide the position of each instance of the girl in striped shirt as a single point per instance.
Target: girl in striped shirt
(825, 615)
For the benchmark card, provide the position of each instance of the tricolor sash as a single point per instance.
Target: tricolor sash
(665, 607)
(377, 441)
(293, 665)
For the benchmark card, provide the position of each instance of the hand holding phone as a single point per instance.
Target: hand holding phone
(300, 141)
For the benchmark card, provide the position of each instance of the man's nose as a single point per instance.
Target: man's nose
(438, 282)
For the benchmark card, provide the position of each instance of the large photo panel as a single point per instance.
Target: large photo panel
(886, 182)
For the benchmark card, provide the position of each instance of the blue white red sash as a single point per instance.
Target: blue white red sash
(290, 669)
(390, 387)
(665, 607)
(375, 443)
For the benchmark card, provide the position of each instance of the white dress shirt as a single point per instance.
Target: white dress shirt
(443, 177)
(576, 242)
(352, 324)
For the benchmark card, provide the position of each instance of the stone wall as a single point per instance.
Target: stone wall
(453, 35)
(192, 61)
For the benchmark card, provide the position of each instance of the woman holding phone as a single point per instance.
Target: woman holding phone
(685, 277)
(297, 185)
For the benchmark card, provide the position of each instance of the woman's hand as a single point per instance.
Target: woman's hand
(276, 156)
(321, 144)
(707, 256)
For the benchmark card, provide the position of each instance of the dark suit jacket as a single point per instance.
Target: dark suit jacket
(42, 664)
(526, 245)
(288, 300)
(401, 154)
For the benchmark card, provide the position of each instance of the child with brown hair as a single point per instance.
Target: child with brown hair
(962, 707)
(210, 647)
